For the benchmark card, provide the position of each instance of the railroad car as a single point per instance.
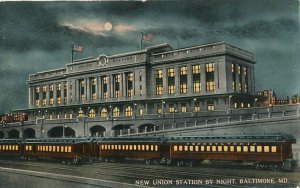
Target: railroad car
(69, 150)
(265, 150)
(10, 148)
(11, 118)
(150, 149)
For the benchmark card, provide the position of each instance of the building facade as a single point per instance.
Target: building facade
(155, 81)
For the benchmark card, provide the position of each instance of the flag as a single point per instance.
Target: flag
(147, 37)
(77, 48)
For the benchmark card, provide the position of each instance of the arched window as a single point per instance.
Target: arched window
(80, 113)
(116, 112)
(92, 113)
(128, 111)
(103, 112)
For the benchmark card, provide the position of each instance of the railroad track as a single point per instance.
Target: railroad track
(129, 173)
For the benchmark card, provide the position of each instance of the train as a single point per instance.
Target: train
(262, 150)
(12, 118)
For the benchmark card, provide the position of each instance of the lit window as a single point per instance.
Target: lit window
(220, 148)
(103, 112)
(210, 67)
(202, 148)
(252, 148)
(183, 108)
(92, 113)
(210, 86)
(191, 148)
(259, 148)
(171, 108)
(273, 149)
(207, 148)
(104, 87)
(210, 107)
(128, 111)
(232, 148)
(196, 69)
(80, 113)
(197, 107)
(175, 148)
(129, 84)
(266, 148)
(180, 148)
(116, 112)
(159, 82)
(141, 112)
(238, 148)
(186, 148)
(225, 148)
(214, 148)
(196, 148)
(245, 148)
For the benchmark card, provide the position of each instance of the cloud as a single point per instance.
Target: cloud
(124, 28)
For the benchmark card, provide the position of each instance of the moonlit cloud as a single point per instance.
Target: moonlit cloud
(124, 28)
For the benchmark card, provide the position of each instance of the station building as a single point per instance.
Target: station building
(157, 80)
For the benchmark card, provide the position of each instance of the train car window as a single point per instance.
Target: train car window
(191, 148)
(152, 147)
(273, 149)
(44, 148)
(66, 149)
(123, 147)
(0, 147)
(175, 148)
(196, 148)
(214, 148)
(26, 148)
(156, 147)
(259, 148)
(202, 148)
(207, 148)
(134, 147)
(108, 147)
(119, 147)
(113, 147)
(54, 148)
(13, 147)
(6, 147)
(9, 147)
(245, 148)
(126, 147)
(238, 148)
(130, 147)
(50, 148)
(61, 148)
(47, 148)
(105, 147)
(232, 148)
(180, 148)
(220, 148)
(186, 148)
(143, 147)
(116, 147)
(226, 148)
(69, 149)
(139, 147)
(57, 148)
(266, 149)
(252, 148)
(30, 148)
(147, 147)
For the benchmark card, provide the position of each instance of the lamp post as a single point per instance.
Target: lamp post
(163, 107)
(134, 110)
(174, 111)
(229, 103)
(254, 105)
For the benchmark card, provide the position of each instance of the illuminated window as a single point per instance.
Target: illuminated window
(130, 84)
(207, 148)
(232, 148)
(245, 148)
(214, 148)
(92, 113)
(183, 108)
(103, 112)
(69, 149)
(196, 79)
(183, 79)
(104, 87)
(266, 148)
(180, 148)
(238, 148)
(202, 148)
(159, 82)
(116, 112)
(225, 148)
(82, 89)
(252, 148)
(210, 67)
(186, 148)
(61, 148)
(175, 148)
(171, 108)
(117, 85)
(159, 110)
(220, 148)
(147, 147)
(80, 113)
(143, 147)
(210, 86)
(54, 148)
(156, 148)
(196, 148)
(128, 111)
(191, 148)
(50, 148)
(273, 149)
(141, 112)
(210, 106)
(259, 148)
(171, 81)
(196, 107)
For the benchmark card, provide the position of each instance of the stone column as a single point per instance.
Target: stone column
(203, 78)
(109, 86)
(243, 79)
(88, 89)
(177, 81)
(99, 90)
(62, 92)
(216, 76)
(165, 82)
(237, 77)
(47, 94)
(121, 85)
(55, 93)
(189, 79)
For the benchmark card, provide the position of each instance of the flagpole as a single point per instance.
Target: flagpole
(72, 52)
(141, 44)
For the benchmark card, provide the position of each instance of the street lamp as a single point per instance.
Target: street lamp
(229, 103)
(254, 105)
(134, 109)
(174, 111)
(163, 107)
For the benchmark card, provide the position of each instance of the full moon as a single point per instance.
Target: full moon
(107, 26)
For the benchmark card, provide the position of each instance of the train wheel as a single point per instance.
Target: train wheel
(155, 161)
(257, 166)
(190, 163)
(179, 163)
(148, 161)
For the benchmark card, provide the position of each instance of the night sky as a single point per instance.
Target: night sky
(37, 36)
